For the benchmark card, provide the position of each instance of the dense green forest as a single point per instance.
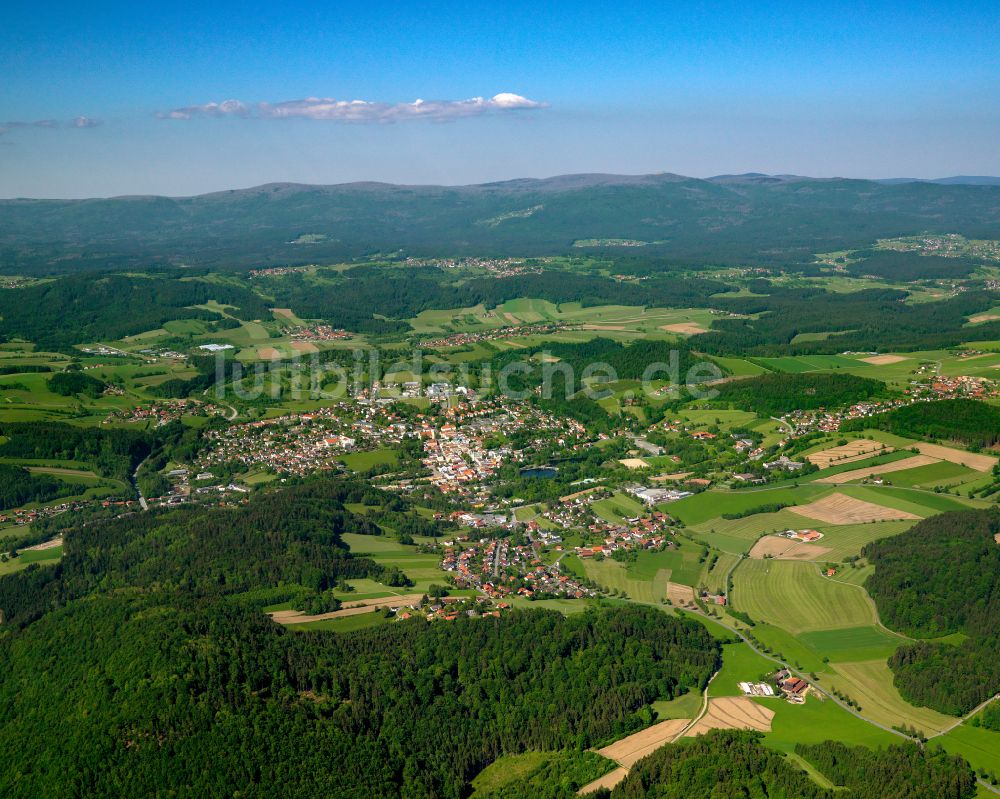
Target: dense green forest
(876, 320)
(113, 452)
(775, 394)
(207, 699)
(942, 576)
(288, 537)
(966, 421)
(85, 308)
(19, 486)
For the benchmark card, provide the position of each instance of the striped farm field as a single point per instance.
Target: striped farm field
(912, 462)
(793, 595)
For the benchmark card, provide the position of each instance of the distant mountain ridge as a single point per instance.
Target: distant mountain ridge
(726, 219)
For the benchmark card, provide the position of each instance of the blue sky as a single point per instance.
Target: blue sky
(113, 98)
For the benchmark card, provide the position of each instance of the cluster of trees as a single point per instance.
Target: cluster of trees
(87, 307)
(909, 266)
(69, 383)
(113, 452)
(968, 421)
(773, 394)
(942, 576)
(19, 486)
(23, 368)
(719, 763)
(907, 771)
(770, 507)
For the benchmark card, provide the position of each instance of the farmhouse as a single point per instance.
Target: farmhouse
(784, 462)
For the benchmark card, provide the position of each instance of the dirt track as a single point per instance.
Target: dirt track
(360, 606)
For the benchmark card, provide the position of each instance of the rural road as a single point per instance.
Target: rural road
(135, 483)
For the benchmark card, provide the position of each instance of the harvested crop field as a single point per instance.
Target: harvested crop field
(733, 713)
(983, 317)
(633, 463)
(304, 346)
(609, 781)
(286, 312)
(687, 328)
(781, 548)
(680, 594)
(972, 460)
(885, 468)
(361, 606)
(672, 477)
(628, 750)
(268, 353)
(841, 509)
(847, 453)
(883, 360)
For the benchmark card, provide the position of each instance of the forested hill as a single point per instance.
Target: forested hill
(214, 700)
(721, 220)
(941, 577)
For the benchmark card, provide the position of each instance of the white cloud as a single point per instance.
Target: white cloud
(327, 108)
(224, 109)
(38, 123)
(50, 124)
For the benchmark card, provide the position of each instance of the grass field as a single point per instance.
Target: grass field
(423, 569)
(852, 643)
(685, 706)
(794, 596)
(616, 576)
(26, 558)
(739, 664)
(708, 505)
(981, 747)
(344, 625)
(616, 509)
(505, 770)
(870, 684)
(820, 720)
(363, 461)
